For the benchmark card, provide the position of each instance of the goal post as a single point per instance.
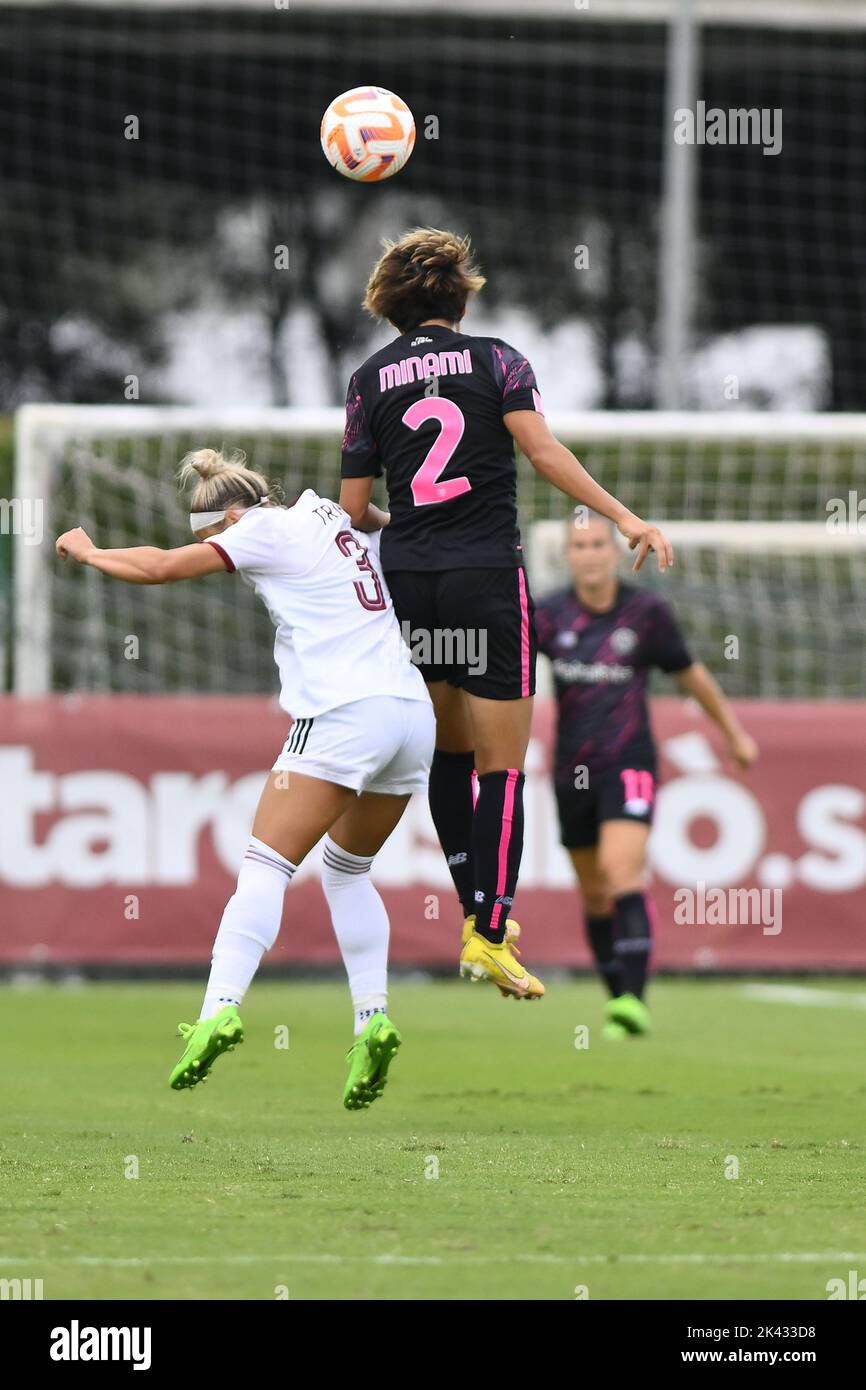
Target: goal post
(48, 435)
(764, 511)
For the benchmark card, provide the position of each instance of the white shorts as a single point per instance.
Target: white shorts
(381, 744)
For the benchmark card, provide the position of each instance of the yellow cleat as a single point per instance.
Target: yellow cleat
(512, 936)
(512, 931)
(481, 959)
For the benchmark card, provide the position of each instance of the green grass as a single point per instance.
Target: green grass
(554, 1163)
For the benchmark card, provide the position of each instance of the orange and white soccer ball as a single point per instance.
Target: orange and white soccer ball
(368, 134)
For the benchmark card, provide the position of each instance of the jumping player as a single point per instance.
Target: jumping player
(437, 411)
(360, 744)
(603, 638)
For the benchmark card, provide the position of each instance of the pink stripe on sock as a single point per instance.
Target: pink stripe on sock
(504, 843)
(524, 635)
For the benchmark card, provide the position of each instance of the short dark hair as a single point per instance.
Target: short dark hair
(427, 274)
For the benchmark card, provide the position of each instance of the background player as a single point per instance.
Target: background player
(360, 744)
(437, 411)
(603, 637)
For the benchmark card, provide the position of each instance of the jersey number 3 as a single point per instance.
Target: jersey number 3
(347, 545)
(426, 487)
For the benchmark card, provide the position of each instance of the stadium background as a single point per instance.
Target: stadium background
(139, 273)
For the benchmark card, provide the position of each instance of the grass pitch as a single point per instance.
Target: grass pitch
(503, 1161)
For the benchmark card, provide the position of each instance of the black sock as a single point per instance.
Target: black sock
(633, 941)
(497, 846)
(599, 931)
(450, 794)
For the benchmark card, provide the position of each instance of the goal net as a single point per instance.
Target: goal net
(763, 509)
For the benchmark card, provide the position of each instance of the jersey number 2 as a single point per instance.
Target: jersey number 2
(426, 487)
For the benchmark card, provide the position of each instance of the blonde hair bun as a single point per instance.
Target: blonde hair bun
(221, 480)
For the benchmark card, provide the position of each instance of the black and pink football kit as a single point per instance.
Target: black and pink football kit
(605, 758)
(427, 413)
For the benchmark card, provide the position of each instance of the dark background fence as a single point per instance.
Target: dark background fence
(116, 252)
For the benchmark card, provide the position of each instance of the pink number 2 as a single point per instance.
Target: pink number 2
(426, 487)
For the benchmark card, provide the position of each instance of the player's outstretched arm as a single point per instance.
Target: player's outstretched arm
(697, 681)
(355, 499)
(141, 564)
(559, 466)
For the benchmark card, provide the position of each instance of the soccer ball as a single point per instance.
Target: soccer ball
(368, 134)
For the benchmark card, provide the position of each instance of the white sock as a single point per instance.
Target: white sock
(249, 927)
(361, 928)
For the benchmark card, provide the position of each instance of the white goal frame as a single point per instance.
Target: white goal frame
(42, 430)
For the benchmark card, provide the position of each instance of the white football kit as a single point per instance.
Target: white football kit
(362, 715)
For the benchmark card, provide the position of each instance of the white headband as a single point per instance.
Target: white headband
(199, 521)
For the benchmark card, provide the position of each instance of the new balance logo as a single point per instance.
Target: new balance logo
(460, 858)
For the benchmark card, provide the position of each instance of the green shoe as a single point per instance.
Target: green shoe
(205, 1041)
(614, 1032)
(630, 1013)
(369, 1058)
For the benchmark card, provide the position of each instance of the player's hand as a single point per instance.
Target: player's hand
(74, 545)
(643, 537)
(743, 749)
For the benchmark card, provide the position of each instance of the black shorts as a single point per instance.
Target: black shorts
(473, 628)
(617, 793)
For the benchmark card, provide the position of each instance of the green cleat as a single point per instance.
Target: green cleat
(369, 1058)
(205, 1041)
(630, 1013)
(614, 1032)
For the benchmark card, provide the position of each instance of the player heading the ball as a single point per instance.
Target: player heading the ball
(437, 412)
